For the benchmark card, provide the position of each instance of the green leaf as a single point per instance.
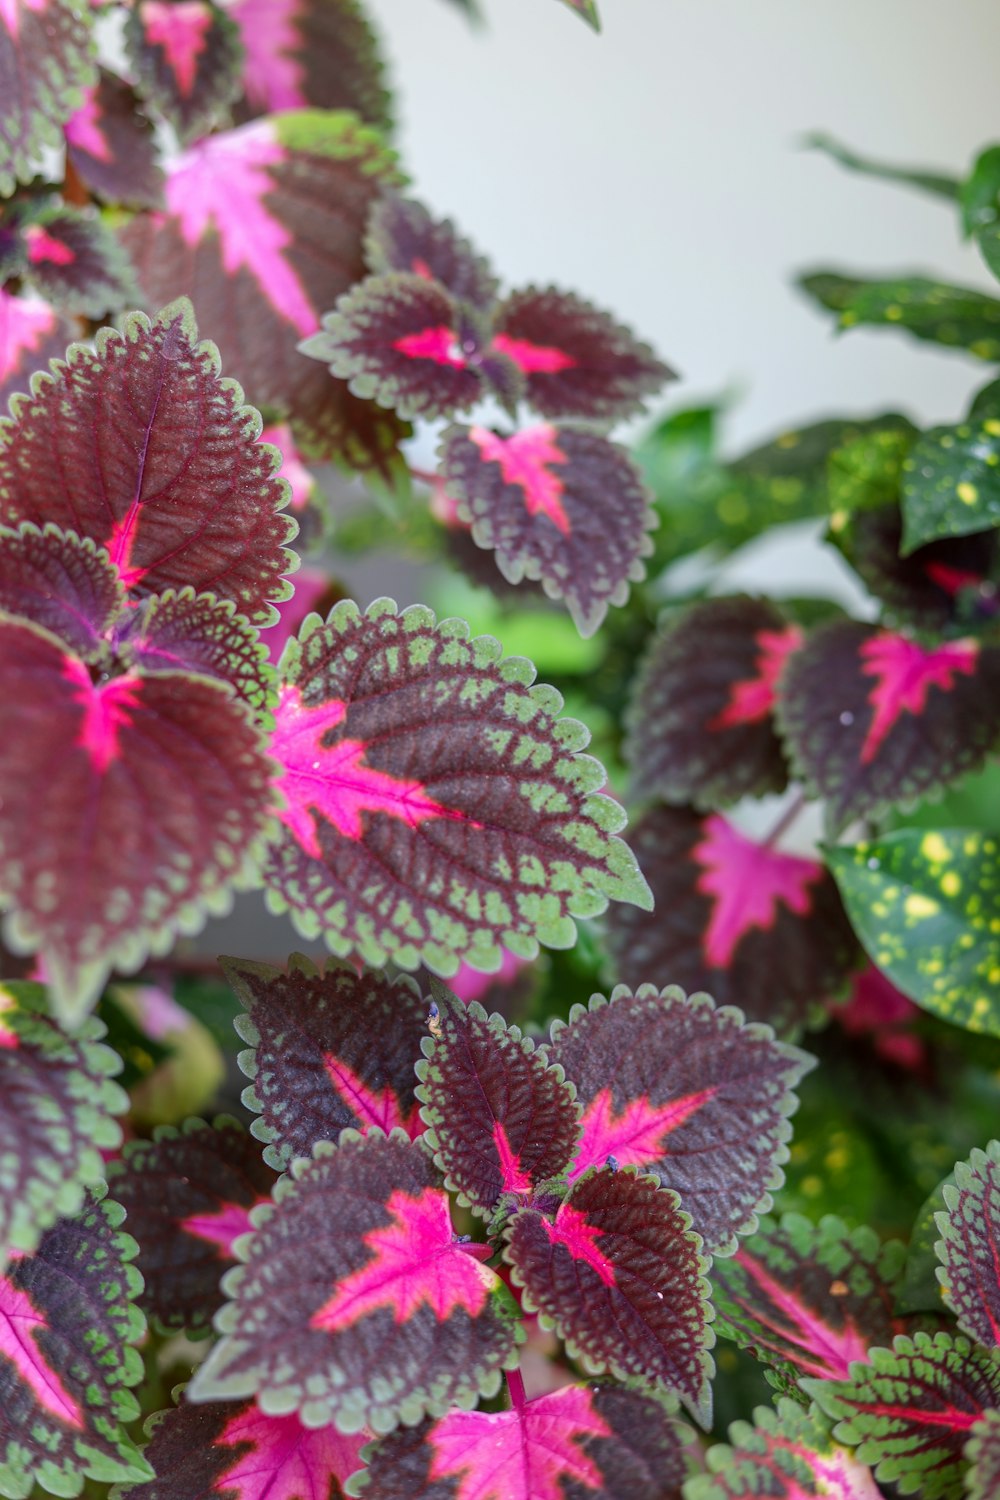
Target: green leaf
(920, 1290)
(951, 483)
(940, 184)
(957, 316)
(926, 906)
(865, 472)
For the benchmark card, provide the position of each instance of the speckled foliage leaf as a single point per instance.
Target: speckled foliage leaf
(326, 1051)
(866, 470)
(926, 905)
(686, 1091)
(598, 1441)
(699, 722)
(436, 806)
(872, 718)
(68, 1328)
(808, 1299)
(264, 228)
(111, 146)
(31, 333)
(188, 1194)
(499, 1119)
(788, 1455)
(969, 1250)
(909, 1411)
(982, 1453)
(185, 61)
(357, 1304)
(57, 1108)
(956, 316)
(951, 486)
(46, 62)
(234, 1451)
(751, 925)
(73, 260)
(404, 236)
(188, 632)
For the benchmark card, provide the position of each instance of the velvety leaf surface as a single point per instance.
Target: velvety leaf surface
(327, 1051)
(57, 1104)
(139, 444)
(950, 485)
(499, 1120)
(189, 632)
(555, 504)
(46, 62)
(111, 145)
(67, 1331)
(263, 229)
(88, 878)
(31, 333)
(751, 925)
(301, 54)
(788, 1455)
(699, 722)
(910, 1410)
(593, 1441)
(68, 586)
(982, 1453)
(435, 805)
(969, 1251)
(403, 236)
(577, 361)
(956, 316)
(357, 1304)
(926, 906)
(872, 718)
(188, 1195)
(621, 1277)
(687, 1091)
(185, 59)
(75, 262)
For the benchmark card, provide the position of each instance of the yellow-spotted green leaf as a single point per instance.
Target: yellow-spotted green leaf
(951, 483)
(959, 317)
(926, 906)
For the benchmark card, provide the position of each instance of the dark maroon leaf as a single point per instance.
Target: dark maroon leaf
(556, 504)
(264, 230)
(621, 1277)
(46, 62)
(141, 445)
(435, 806)
(982, 1452)
(69, 586)
(186, 60)
(787, 1455)
(872, 718)
(499, 1119)
(189, 632)
(969, 1251)
(578, 362)
(327, 1051)
(598, 1441)
(687, 1091)
(700, 727)
(188, 1194)
(754, 927)
(357, 1304)
(89, 878)
(67, 1359)
(111, 145)
(403, 236)
(75, 261)
(31, 333)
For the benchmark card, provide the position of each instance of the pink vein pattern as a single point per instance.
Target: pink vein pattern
(580, 1238)
(905, 672)
(107, 709)
(19, 1323)
(533, 359)
(524, 460)
(180, 28)
(286, 1461)
(752, 699)
(746, 882)
(638, 1135)
(273, 77)
(24, 323)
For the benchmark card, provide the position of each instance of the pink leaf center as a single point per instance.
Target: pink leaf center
(380, 1109)
(746, 882)
(580, 1238)
(19, 1323)
(180, 28)
(753, 698)
(273, 77)
(24, 323)
(8, 1038)
(286, 1461)
(515, 1179)
(827, 1352)
(638, 1135)
(107, 709)
(524, 460)
(905, 672)
(45, 248)
(533, 359)
(440, 345)
(83, 129)
(222, 1227)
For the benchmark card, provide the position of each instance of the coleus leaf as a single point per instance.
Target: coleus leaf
(449, 812)
(982, 1453)
(555, 504)
(700, 727)
(598, 1442)
(57, 1104)
(31, 333)
(950, 487)
(186, 59)
(264, 229)
(956, 316)
(327, 1051)
(403, 236)
(872, 718)
(788, 1455)
(46, 62)
(139, 444)
(926, 904)
(74, 260)
(189, 632)
(969, 1251)
(234, 1450)
(909, 1411)
(619, 1274)
(188, 1194)
(357, 1304)
(751, 925)
(68, 1328)
(500, 1120)
(687, 1091)
(111, 145)
(69, 586)
(809, 1298)
(577, 361)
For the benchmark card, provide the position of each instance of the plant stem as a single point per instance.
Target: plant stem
(515, 1388)
(425, 476)
(786, 820)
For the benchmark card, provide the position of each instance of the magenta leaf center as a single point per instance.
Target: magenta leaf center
(524, 460)
(19, 1322)
(904, 673)
(746, 881)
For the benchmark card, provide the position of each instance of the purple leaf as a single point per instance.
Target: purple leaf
(46, 62)
(328, 1051)
(499, 1119)
(620, 1276)
(189, 632)
(188, 1195)
(185, 56)
(969, 1251)
(403, 236)
(556, 504)
(75, 261)
(787, 1455)
(31, 333)
(595, 1441)
(872, 718)
(112, 147)
(435, 806)
(141, 446)
(68, 586)
(752, 926)
(578, 362)
(700, 727)
(982, 1453)
(357, 1304)
(264, 230)
(687, 1091)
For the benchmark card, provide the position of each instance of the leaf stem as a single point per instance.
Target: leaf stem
(425, 476)
(515, 1389)
(785, 821)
